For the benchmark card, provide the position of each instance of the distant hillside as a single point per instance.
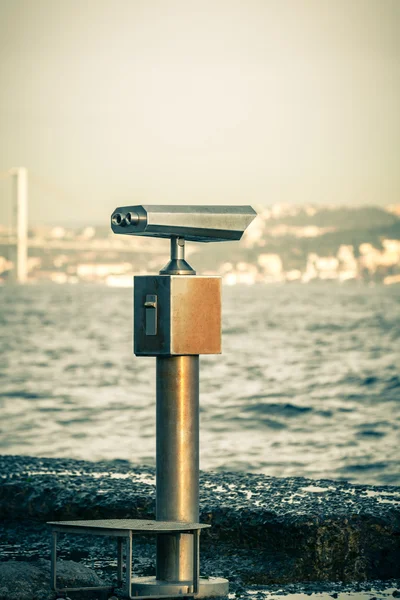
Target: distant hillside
(348, 226)
(341, 218)
(285, 243)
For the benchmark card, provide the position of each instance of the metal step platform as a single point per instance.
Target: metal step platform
(123, 530)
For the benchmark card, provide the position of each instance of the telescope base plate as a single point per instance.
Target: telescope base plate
(150, 586)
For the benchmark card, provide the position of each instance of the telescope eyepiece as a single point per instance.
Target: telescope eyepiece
(132, 218)
(123, 220)
(117, 219)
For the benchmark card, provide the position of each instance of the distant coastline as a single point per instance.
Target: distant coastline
(285, 244)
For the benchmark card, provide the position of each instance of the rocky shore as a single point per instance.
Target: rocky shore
(265, 530)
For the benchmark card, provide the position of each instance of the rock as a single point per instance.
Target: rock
(22, 580)
(264, 529)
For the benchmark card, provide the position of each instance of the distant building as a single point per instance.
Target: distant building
(320, 267)
(348, 266)
(372, 259)
(98, 271)
(243, 273)
(57, 233)
(271, 267)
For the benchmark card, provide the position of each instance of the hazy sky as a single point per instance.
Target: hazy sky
(210, 101)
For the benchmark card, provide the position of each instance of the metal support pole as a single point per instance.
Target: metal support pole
(177, 248)
(177, 264)
(177, 460)
(21, 175)
(196, 564)
(54, 560)
(129, 564)
(120, 561)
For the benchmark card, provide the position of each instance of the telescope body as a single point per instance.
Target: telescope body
(193, 223)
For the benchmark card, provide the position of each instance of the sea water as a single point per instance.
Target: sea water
(308, 383)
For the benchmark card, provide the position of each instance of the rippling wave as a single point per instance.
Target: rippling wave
(308, 382)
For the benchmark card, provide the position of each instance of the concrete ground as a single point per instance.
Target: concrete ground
(269, 536)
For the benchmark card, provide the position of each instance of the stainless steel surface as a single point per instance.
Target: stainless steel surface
(195, 223)
(101, 531)
(196, 562)
(120, 561)
(155, 596)
(124, 529)
(177, 264)
(95, 588)
(188, 315)
(128, 564)
(177, 459)
(53, 574)
(135, 525)
(53, 570)
(150, 587)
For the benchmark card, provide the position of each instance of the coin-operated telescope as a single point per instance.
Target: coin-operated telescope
(177, 317)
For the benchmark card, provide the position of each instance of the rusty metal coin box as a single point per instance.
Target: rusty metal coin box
(177, 315)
